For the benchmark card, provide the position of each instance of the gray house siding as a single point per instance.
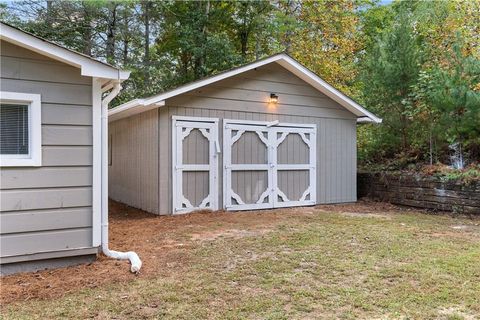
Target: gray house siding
(46, 210)
(244, 97)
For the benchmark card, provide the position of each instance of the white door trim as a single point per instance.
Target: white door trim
(270, 123)
(179, 123)
(199, 119)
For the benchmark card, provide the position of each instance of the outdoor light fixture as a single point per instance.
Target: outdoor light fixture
(273, 98)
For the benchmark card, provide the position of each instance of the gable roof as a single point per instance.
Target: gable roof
(88, 66)
(140, 105)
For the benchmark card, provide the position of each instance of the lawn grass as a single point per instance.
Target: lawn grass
(316, 265)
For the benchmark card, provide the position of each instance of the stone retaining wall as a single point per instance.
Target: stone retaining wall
(421, 192)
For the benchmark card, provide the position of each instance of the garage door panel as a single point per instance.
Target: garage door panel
(293, 150)
(195, 148)
(268, 165)
(250, 186)
(293, 184)
(196, 187)
(250, 149)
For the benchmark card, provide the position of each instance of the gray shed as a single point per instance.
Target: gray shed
(265, 135)
(52, 199)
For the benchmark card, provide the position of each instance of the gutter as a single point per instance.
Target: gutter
(135, 261)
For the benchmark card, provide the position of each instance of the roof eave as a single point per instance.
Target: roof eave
(224, 75)
(369, 120)
(310, 77)
(88, 66)
(283, 59)
(132, 107)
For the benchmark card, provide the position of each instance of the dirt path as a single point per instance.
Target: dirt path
(160, 241)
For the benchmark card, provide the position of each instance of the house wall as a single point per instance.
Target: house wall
(46, 210)
(133, 164)
(244, 97)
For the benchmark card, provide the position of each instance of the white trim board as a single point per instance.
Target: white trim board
(140, 105)
(34, 156)
(89, 67)
(270, 123)
(196, 119)
(131, 108)
(97, 162)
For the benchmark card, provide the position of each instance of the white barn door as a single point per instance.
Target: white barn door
(195, 152)
(268, 165)
(247, 174)
(294, 166)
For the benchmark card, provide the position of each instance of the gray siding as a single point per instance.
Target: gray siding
(244, 98)
(133, 170)
(49, 209)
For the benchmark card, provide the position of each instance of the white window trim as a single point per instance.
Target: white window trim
(34, 157)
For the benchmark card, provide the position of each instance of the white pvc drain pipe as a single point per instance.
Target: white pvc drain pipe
(135, 262)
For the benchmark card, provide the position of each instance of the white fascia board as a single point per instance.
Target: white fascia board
(324, 87)
(202, 83)
(89, 67)
(137, 105)
(366, 120)
(131, 108)
(140, 105)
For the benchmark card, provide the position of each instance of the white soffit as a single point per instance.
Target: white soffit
(89, 67)
(140, 105)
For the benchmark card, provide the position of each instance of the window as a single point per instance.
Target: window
(20, 129)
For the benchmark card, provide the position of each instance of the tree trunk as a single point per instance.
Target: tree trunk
(287, 39)
(244, 32)
(49, 18)
(199, 59)
(87, 30)
(202, 59)
(404, 132)
(257, 47)
(111, 30)
(146, 57)
(126, 37)
(125, 52)
(430, 140)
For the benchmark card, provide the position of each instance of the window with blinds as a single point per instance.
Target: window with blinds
(14, 129)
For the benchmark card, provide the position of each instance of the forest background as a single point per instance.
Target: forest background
(416, 64)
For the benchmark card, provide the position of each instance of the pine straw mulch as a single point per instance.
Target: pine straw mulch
(160, 241)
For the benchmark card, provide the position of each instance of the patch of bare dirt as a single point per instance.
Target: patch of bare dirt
(365, 206)
(365, 215)
(163, 243)
(229, 233)
(456, 313)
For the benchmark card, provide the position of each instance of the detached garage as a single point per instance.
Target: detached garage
(265, 135)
